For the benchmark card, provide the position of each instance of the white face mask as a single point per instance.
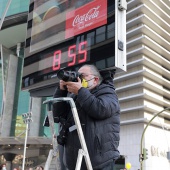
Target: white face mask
(87, 83)
(90, 84)
(3, 168)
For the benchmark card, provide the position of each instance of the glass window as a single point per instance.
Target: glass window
(16, 6)
(47, 130)
(23, 104)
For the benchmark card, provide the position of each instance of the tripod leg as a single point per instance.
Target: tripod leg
(48, 162)
(54, 140)
(79, 159)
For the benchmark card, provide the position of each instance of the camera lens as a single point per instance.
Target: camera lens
(63, 75)
(68, 75)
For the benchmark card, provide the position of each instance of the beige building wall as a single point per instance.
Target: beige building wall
(145, 88)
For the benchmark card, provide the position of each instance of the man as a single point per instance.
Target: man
(99, 113)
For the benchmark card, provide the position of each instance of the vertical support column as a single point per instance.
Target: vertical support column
(36, 115)
(9, 158)
(8, 164)
(9, 97)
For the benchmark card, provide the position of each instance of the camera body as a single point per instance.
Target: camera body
(68, 75)
(61, 138)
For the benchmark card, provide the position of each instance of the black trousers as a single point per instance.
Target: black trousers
(109, 166)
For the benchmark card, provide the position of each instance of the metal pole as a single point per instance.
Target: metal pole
(25, 145)
(141, 143)
(26, 119)
(81, 136)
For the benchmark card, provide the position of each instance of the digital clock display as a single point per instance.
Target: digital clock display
(73, 57)
(67, 34)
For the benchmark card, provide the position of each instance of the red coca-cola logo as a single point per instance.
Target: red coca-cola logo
(88, 17)
(91, 14)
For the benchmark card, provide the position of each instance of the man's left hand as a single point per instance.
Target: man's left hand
(73, 87)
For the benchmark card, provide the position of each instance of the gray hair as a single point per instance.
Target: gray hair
(94, 71)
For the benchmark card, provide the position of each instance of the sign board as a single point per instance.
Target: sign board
(71, 33)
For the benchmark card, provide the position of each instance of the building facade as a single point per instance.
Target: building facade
(143, 90)
(13, 101)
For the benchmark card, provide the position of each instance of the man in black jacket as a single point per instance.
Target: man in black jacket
(99, 113)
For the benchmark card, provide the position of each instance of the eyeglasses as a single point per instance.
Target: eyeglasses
(85, 75)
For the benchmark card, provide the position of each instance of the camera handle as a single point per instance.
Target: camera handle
(82, 152)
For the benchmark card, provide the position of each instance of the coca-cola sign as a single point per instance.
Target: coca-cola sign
(85, 18)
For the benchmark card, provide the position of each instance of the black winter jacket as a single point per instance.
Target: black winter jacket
(99, 114)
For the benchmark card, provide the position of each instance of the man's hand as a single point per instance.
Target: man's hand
(73, 87)
(62, 85)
